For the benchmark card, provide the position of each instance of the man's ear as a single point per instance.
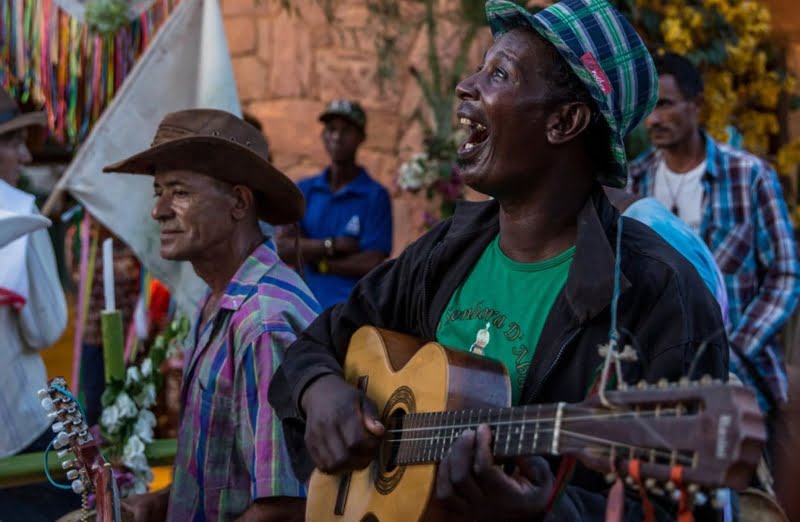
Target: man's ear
(567, 122)
(243, 201)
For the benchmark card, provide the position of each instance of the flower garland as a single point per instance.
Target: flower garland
(127, 421)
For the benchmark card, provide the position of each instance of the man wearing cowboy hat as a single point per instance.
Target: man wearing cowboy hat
(213, 184)
(33, 315)
(534, 277)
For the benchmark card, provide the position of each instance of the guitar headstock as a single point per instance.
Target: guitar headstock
(86, 469)
(693, 435)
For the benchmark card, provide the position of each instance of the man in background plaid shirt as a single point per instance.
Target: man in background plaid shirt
(734, 200)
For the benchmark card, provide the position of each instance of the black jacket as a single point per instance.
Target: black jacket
(663, 303)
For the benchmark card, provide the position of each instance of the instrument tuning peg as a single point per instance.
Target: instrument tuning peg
(676, 495)
(62, 439)
(684, 382)
(63, 453)
(663, 383)
(77, 486)
(53, 414)
(700, 498)
(650, 483)
(669, 486)
(47, 404)
(693, 488)
(611, 477)
(641, 384)
(43, 393)
(58, 427)
(68, 464)
(706, 380)
(629, 481)
(72, 474)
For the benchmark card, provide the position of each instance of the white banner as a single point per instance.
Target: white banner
(187, 65)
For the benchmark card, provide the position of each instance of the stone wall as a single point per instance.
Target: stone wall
(289, 64)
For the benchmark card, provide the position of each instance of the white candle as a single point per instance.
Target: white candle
(108, 274)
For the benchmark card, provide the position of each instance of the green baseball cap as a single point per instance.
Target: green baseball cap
(346, 109)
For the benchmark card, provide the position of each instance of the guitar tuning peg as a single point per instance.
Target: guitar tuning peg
(58, 427)
(63, 453)
(683, 382)
(629, 481)
(700, 498)
(43, 394)
(53, 414)
(67, 464)
(669, 486)
(706, 380)
(663, 383)
(47, 404)
(693, 488)
(77, 486)
(676, 495)
(611, 477)
(650, 483)
(62, 439)
(72, 474)
(641, 384)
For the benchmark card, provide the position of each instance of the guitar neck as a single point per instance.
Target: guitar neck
(525, 430)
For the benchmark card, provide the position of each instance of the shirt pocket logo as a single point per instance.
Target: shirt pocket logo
(353, 227)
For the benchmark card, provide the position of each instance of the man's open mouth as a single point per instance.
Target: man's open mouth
(478, 134)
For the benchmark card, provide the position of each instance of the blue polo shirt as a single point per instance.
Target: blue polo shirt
(361, 209)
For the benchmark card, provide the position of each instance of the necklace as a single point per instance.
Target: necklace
(673, 195)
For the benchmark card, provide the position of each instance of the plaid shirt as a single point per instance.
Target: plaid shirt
(231, 449)
(746, 225)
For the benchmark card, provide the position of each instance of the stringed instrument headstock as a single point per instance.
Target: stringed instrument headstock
(690, 435)
(88, 470)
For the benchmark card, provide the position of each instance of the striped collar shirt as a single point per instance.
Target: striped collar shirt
(746, 225)
(231, 449)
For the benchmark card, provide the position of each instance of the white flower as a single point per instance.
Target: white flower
(143, 429)
(132, 376)
(413, 173)
(147, 397)
(136, 463)
(139, 487)
(109, 418)
(127, 409)
(133, 447)
(147, 367)
(148, 417)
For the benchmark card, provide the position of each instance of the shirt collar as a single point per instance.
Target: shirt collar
(650, 161)
(245, 282)
(359, 185)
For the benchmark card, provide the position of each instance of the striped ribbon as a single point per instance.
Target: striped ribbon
(51, 58)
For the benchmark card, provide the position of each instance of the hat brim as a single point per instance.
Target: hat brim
(280, 201)
(28, 119)
(329, 115)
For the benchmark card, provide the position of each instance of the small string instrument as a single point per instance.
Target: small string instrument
(88, 470)
(687, 438)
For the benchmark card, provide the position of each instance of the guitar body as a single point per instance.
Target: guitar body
(402, 376)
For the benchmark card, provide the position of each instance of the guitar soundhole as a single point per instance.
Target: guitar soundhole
(397, 407)
(391, 445)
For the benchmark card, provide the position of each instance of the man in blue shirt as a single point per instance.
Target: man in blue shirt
(347, 228)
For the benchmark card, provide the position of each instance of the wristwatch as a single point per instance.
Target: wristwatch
(328, 244)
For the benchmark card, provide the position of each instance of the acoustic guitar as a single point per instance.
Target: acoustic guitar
(88, 470)
(708, 434)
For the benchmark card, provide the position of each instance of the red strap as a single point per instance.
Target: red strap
(684, 512)
(615, 505)
(634, 472)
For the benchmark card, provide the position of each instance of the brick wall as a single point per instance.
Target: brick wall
(289, 64)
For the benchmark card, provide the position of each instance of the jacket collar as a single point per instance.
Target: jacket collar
(590, 283)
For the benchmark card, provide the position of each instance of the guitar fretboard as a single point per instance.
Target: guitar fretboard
(526, 430)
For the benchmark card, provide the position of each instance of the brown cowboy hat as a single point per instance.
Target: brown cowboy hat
(11, 118)
(221, 145)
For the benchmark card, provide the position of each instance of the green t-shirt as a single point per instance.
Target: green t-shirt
(500, 309)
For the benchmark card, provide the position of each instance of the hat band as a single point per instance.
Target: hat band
(8, 115)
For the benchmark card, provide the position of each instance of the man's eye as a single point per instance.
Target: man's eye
(499, 73)
(181, 193)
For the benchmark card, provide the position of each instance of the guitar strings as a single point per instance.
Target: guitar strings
(661, 453)
(526, 422)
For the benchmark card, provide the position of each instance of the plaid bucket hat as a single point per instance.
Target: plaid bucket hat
(607, 55)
